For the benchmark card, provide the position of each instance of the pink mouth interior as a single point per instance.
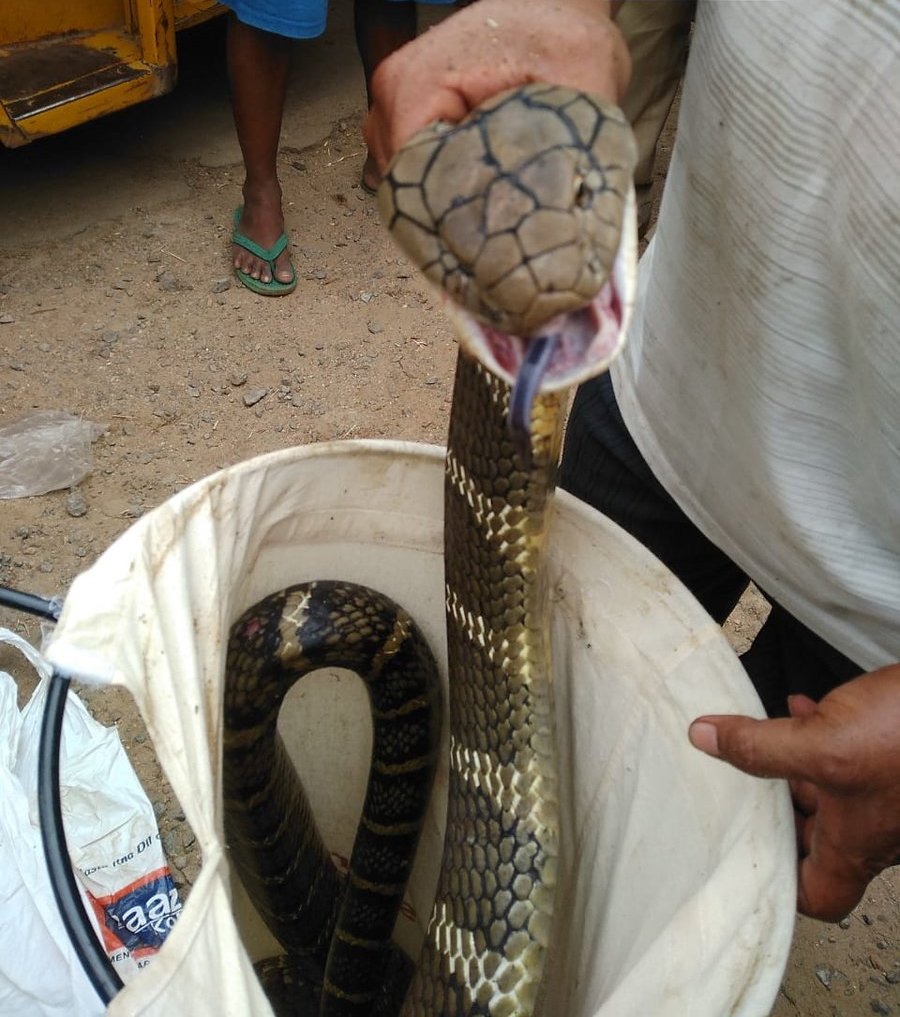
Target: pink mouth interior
(585, 337)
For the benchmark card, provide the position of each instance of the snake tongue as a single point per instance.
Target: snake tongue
(527, 384)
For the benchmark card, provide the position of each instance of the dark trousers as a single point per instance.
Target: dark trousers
(602, 466)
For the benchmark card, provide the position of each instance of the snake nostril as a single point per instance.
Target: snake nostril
(583, 192)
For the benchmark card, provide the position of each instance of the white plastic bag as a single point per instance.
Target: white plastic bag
(39, 972)
(45, 450)
(114, 844)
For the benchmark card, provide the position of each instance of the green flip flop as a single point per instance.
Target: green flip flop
(274, 287)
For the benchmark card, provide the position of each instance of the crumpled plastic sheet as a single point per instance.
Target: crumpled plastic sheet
(43, 451)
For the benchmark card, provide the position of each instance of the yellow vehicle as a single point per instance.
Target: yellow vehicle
(63, 62)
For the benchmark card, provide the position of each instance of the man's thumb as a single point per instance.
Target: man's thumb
(764, 748)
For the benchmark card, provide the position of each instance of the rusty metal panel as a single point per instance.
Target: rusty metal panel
(72, 112)
(30, 20)
(27, 73)
(193, 12)
(63, 62)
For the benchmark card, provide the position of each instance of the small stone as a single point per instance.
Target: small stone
(299, 165)
(844, 923)
(374, 327)
(172, 843)
(168, 282)
(110, 337)
(6, 319)
(46, 566)
(192, 871)
(140, 738)
(876, 1006)
(76, 506)
(254, 395)
(238, 378)
(893, 976)
(882, 943)
(221, 285)
(825, 975)
(365, 296)
(45, 347)
(153, 258)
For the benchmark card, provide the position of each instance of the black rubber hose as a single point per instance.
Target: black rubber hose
(30, 602)
(88, 948)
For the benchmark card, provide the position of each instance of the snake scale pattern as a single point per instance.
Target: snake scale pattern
(517, 214)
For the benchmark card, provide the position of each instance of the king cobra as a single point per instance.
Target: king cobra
(523, 215)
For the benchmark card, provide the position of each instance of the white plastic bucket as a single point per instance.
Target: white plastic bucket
(677, 872)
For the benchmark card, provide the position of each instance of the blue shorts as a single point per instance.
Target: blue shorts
(294, 19)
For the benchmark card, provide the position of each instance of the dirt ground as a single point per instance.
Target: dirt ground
(117, 303)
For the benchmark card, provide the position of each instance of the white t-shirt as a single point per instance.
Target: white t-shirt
(762, 376)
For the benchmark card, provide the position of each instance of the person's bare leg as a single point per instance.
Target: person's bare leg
(381, 26)
(258, 68)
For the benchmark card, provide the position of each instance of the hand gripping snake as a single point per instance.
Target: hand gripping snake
(523, 214)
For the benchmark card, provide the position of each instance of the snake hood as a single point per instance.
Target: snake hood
(523, 214)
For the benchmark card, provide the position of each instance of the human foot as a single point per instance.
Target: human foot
(371, 178)
(260, 249)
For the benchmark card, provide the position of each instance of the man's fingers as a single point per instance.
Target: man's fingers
(828, 886)
(801, 706)
(805, 796)
(829, 883)
(764, 748)
(806, 829)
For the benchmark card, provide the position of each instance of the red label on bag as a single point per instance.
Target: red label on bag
(138, 917)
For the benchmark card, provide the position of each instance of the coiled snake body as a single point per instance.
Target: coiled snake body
(516, 213)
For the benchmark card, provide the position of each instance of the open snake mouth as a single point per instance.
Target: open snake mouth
(567, 349)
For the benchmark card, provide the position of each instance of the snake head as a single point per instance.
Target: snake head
(569, 348)
(575, 344)
(523, 216)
